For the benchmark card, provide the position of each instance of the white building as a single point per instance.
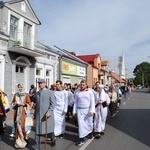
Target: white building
(23, 59)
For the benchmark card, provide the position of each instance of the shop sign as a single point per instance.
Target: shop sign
(81, 71)
(69, 68)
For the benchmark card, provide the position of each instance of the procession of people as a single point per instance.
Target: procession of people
(53, 107)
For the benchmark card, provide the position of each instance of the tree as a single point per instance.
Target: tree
(142, 74)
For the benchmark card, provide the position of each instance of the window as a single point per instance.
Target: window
(13, 27)
(19, 69)
(26, 35)
(38, 72)
(48, 77)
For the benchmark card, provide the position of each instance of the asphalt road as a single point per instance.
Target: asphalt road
(128, 130)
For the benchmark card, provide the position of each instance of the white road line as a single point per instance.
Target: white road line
(124, 103)
(86, 144)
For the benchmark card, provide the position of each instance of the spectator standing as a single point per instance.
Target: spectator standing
(32, 93)
(2, 111)
(44, 107)
(21, 103)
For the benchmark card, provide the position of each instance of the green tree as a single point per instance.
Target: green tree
(142, 74)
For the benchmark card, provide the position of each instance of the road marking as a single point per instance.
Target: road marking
(124, 103)
(86, 144)
(128, 98)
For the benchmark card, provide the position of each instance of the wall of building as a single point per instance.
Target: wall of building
(89, 76)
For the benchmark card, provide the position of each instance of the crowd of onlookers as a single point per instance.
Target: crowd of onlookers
(87, 106)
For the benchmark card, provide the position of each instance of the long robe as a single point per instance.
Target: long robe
(83, 105)
(45, 103)
(100, 111)
(60, 107)
(19, 118)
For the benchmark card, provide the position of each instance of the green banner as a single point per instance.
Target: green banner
(69, 68)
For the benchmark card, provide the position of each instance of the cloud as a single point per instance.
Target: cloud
(106, 27)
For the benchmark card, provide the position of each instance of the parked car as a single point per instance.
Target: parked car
(139, 87)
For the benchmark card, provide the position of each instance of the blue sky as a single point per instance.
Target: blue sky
(107, 27)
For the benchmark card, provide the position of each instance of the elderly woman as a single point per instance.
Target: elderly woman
(21, 104)
(113, 102)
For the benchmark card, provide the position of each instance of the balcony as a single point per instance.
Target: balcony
(26, 44)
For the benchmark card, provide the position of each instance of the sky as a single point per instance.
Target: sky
(106, 27)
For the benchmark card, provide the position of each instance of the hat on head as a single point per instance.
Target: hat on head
(100, 85)
(41, 81)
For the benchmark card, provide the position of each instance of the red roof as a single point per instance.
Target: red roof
(88, 58)
(104, 63)
(115, 76)
(73, 53)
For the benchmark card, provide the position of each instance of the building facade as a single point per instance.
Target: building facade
(95, 61)
(22, 58)
(72, 69)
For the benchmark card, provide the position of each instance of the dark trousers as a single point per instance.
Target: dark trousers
(70, 109)
(112, 107)
(38, 139)
(1, 124)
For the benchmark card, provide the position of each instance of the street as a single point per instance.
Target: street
(128, 130)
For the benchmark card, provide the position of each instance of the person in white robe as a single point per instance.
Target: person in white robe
(101, 110)
(84, 109)
(60, 110)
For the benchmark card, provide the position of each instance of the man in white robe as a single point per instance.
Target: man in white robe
(60, 109)
(101, 110)
(84, 109)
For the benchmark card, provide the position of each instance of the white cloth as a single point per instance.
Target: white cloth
(100, 111)
(83, 105)
(61, 106)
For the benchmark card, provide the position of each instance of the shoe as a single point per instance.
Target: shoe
(102, 132)
(97, 136)
(90, 136)
(28, 131)
(53, 143)
(61, 136)
(80, 142)
(27, 141)
(12, 135)
(35, 147)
